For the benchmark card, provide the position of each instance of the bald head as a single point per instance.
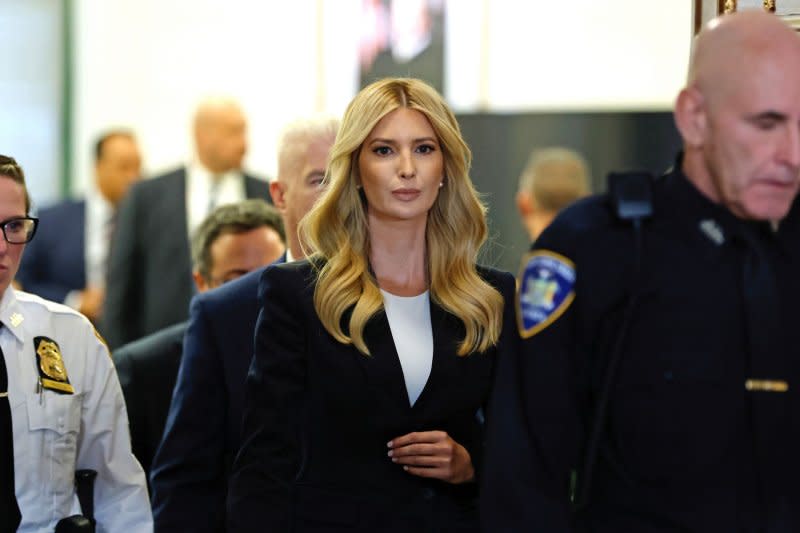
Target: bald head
(739, 115)
(220, 135)
(729, 44)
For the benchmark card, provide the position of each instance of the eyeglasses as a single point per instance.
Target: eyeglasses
(19, 230)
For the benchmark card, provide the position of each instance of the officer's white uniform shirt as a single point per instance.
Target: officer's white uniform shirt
(57, 434)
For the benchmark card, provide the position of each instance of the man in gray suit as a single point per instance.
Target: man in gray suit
(149, 282)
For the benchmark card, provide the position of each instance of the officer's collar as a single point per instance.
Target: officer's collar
(683, 197)
(11, 314)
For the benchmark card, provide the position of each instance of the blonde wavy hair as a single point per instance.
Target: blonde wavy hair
(336, 228)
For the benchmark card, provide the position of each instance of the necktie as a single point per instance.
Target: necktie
(767, 377)
(9, 510)
(109, 228)
(213, 193)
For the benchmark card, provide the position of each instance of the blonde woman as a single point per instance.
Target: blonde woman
(374, 358)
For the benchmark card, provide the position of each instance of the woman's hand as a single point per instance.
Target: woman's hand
(432, 454)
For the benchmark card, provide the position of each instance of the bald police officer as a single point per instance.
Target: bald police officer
(656, 388)
(60, 389)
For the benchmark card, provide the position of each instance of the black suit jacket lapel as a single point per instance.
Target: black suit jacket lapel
(384, 372)
(447, 334)
(172, 268)
(164, 212)
(178, 213)
(382, 368)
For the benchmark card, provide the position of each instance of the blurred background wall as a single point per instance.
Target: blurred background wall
(596, 76)
(32, 96)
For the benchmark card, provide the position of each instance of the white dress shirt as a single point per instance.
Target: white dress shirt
(56, 434)
(99, 215)
(204, 191)
(97, 229)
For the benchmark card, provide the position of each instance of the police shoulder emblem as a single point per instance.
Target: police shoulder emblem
(52, 374)
(545, 290)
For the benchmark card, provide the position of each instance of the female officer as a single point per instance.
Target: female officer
(61, 407)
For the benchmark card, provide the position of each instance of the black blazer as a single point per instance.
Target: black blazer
(147, 369)
(150, 269)
(318, 415)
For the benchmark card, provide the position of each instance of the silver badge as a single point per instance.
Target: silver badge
(712, 230)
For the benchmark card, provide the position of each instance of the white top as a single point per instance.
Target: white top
(410, 322)
(99, 221)
(201, 187)
(97, 232)
(56, 434)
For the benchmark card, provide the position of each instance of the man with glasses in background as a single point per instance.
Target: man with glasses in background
(61, 407)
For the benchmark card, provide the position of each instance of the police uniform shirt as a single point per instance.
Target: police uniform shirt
(56, 433)
(679, 448)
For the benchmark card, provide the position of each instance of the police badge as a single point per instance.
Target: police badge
(52, 374)
(545, 291)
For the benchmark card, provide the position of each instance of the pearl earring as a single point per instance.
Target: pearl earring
(441, 184)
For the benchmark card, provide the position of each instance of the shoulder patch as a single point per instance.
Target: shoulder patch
(546, 290)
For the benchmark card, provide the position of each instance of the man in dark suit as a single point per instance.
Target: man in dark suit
(67, 261)
(233, 240)
(189, 474)
(149, 278)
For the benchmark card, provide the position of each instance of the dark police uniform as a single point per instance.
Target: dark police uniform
(700, 434)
